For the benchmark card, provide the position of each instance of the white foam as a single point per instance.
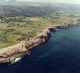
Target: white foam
(16, 60)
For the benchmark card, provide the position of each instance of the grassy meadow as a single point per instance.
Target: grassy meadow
(15, 29)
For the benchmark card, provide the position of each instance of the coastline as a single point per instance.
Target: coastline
(9, 54)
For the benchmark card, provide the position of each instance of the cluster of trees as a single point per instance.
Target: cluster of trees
(45, 9)
(10, 11)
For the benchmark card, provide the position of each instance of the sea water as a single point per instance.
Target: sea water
(60, 54)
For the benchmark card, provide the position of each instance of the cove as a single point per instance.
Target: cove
(60, 54)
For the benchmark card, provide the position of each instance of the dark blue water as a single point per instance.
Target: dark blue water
(61, 54)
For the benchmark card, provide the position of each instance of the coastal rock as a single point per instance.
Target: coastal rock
(10, 53)
(40, 38)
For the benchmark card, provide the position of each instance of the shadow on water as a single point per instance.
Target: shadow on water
(61, 54)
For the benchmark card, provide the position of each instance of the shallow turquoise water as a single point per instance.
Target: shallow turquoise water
(61, 54)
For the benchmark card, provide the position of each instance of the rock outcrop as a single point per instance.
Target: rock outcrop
(9, 54)
(40, 38)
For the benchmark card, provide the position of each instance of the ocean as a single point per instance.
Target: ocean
(60, 54)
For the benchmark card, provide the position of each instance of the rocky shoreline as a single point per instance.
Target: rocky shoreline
(9, 54)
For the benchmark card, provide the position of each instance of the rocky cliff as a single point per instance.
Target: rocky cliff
(9, 54)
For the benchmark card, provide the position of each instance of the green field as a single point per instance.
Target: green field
(15, 29)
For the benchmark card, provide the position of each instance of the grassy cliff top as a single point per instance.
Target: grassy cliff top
(15, 29)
